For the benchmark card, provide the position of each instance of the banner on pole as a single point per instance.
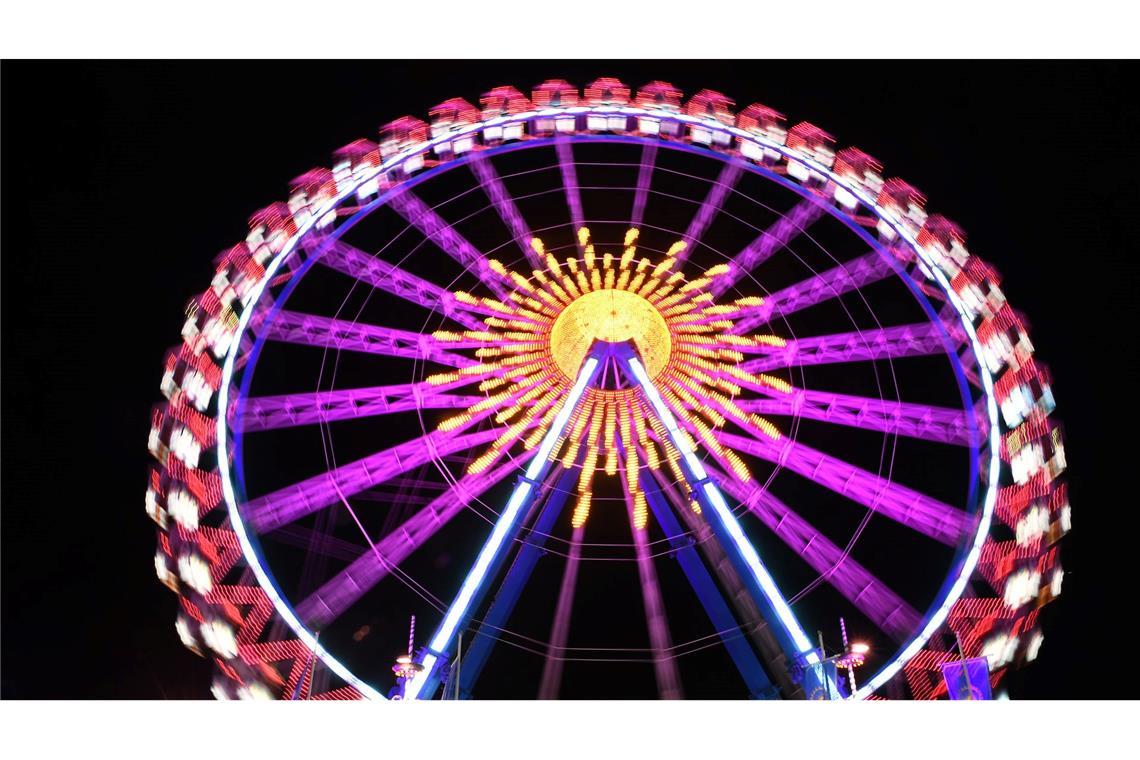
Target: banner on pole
(968, 679)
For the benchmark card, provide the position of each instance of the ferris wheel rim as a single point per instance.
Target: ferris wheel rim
(764, 172)
(265, 579)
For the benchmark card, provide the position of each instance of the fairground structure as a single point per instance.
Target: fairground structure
(590, 354)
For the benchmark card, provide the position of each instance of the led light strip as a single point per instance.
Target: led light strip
(503, 526)
(282, 606)
(743, 545)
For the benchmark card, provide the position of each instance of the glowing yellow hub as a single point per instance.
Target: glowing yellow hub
(614, 316)
(534, 341)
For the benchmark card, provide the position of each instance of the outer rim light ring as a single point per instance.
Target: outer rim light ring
(265, 580)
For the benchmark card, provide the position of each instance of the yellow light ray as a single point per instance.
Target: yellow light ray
(697, 373)
(611, 450)
(583, 418)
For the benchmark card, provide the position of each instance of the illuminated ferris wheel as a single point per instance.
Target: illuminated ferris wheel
(623, 390)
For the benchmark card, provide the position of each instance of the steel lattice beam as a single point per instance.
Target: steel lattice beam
(644, 177)
(734, 640)
(769, 242)
(475, 658)
(424, 218)
(392, 279)
(712, 204)
(905, 506)
(872, 597)
(341, 591)
(342, 335)
(570, 182)
(922, 339)
(930, 423)
(294, 502)
(736, 591)
(505, 205)
(293, 409)
(844, 278)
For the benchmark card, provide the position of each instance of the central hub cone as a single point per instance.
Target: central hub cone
(613, 316)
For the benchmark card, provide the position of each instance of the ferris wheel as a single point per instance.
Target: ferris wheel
(608, 388)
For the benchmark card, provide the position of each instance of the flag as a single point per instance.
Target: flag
(968, 679)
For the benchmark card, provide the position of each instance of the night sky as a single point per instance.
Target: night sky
(121, 181)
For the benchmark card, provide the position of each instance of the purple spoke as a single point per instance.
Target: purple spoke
(644, 177)
(717, 194)
(870, 595)
(967, 359)
(293, 409)
(324, 544)
(344, 589)
(948, 316)
(844, 278)
(769, 242)
(930, 423)
(294, 502)
(505, 205)
(424, 218)
(905, 506)
(390, 278)
(570, 182)
(551, 682)
(323, 332)
(921, 339)
(664, 666)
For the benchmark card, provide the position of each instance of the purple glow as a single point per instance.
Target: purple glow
(664, 666)
(874, 599)
(905, 506)
(322, 332)
(551, 682)
(769, 242)
(391, 279)
(930, 423)
(922, 339)
(729, 174)
(570, 181)
(294, 502)
(292, 409)
(505, 205)
(644, 177)
(432, 225)
(854, 274)
(344, 589)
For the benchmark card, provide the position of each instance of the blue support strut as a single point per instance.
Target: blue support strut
(795, 643)
(506, 527)
(759, 685)
(517, 577)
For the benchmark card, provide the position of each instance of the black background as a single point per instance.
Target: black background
(122, 180)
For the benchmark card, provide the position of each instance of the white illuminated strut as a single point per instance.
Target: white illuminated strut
(506, 522)
(740, 541)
